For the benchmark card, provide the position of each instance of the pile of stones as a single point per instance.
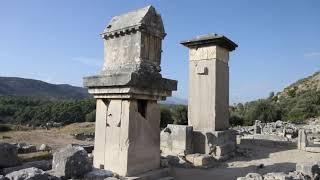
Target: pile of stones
(313, 125)
(304, 171)
(85, 136)
(278, 128)
(71, 162)
(24, 148)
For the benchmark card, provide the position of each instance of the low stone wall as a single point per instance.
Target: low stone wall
(308, 140)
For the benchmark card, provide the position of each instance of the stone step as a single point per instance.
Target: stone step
(167, 178)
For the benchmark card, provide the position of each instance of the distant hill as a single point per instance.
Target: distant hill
(297, 103)
(14, 86)
(310, 83)
(176, 100)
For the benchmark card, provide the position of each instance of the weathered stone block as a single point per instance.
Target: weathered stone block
(8, 155)
(302, 139)
(71, 162)
(176, 139)
(216, 143)
(127, 131)
(200, 160)
(309, 169)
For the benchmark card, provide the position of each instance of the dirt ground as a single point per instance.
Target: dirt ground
(274, 159)
(55, 137)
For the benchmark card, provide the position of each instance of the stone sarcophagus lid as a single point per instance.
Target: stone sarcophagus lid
(133, 42)
(127, 134)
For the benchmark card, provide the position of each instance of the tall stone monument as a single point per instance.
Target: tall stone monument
(127, 134)
(208, 103)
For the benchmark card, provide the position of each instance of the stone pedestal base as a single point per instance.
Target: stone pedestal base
(176, 139)
(158, 174)
(219, 144)
(127, 139)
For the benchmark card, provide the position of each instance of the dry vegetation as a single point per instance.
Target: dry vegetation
(55, 137)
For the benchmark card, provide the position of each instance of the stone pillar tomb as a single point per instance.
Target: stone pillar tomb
(208, 102)
(127, 134)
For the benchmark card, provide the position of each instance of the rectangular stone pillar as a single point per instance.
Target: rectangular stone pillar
(208, 103)
(208, 88)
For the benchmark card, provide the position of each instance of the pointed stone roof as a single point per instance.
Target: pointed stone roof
(144, 19)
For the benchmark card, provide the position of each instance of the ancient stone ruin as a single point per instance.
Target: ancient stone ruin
(207, 137)
(208, 102)
(128, 143)
(127, 91)
(309, 140)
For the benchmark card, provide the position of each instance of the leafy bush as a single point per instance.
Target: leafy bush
(91, 117)
(166, 116)
(180, 114)
(5, 128)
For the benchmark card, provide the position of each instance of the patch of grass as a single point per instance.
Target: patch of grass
(77, 128)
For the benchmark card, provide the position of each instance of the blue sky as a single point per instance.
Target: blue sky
(58, 41)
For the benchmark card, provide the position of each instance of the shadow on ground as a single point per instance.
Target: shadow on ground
(251, 154)
(223, 173)
(255, 149)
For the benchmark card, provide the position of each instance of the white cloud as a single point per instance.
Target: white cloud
(312, 54)
(88, 61)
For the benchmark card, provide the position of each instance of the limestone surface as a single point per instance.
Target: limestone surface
(127, 134)
(28, 174)
(176, 139)
(71, 162)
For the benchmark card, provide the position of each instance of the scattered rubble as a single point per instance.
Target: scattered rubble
(85, 136)
(278, 128)
(53, 124)
(44, 147)
(28, 174)
(87, 147)
(24, 148)
(304, 171)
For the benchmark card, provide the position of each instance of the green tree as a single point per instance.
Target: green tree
(166, 117)
(180, 114)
